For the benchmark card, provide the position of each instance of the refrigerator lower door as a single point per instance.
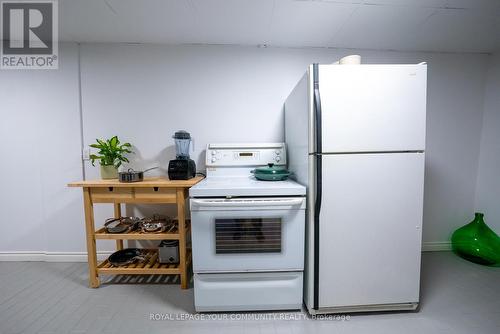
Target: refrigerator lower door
(370, 231)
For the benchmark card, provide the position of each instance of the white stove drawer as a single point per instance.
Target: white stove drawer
(248, 291)
(248, 240)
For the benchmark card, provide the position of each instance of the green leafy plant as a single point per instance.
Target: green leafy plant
(111, 152)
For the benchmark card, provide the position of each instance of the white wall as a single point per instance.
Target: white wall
(218, 93)
(488, 179)
(40, 150)
(143, 93)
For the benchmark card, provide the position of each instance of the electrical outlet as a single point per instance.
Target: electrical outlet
(86, 154)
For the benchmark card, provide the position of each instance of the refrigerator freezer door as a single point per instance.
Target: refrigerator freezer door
(373, 108)
(299, 139)
(370, 229)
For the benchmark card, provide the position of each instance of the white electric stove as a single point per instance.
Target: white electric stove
(247, 235)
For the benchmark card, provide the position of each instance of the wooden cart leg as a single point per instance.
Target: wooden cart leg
(181, 218)
(90, 230)
(118, 214)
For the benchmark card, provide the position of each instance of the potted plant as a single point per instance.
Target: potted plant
(110, 156)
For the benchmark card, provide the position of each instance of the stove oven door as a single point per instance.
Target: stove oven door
(247, 235)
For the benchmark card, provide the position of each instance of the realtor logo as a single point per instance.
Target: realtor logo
(29, 35)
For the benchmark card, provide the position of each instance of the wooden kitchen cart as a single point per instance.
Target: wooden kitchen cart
(150, 191)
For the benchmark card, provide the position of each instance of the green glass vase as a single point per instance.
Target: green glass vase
(476, 242)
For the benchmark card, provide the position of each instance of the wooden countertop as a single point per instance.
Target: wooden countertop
(162, 182)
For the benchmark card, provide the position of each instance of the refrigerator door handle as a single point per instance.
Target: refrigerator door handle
(319, 168)
(317, 110)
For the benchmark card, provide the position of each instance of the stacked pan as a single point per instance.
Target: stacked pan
(154, 224)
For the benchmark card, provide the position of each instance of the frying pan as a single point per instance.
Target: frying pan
(126, 256)
(121, 225)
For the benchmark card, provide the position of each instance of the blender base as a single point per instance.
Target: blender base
(181, 169)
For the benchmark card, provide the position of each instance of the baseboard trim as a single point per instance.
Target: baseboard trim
(50, 256)
(436, 246)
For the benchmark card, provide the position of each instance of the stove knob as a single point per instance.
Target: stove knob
(277, 159)
(213, 159)
(214, 152)
(277, 152)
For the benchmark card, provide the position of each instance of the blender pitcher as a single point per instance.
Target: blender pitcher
(182, 141)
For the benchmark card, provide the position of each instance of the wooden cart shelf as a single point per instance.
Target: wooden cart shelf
(170, 234)
(147, 267)
(153, 191)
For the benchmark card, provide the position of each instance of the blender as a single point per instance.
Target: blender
(182, 167)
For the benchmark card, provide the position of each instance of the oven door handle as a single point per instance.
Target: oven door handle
(240, 203)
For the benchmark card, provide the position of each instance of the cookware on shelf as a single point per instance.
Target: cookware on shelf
(271, 173)
(132, 175)
(126, 256)
(155, 224)
(121, 225)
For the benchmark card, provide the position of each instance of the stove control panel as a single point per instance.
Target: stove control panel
(256, 154)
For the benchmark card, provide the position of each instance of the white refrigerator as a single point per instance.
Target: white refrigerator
(356, 140)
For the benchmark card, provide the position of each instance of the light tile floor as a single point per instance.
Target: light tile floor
(456, 297)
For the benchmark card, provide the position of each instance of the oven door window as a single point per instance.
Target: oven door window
(247, 235)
